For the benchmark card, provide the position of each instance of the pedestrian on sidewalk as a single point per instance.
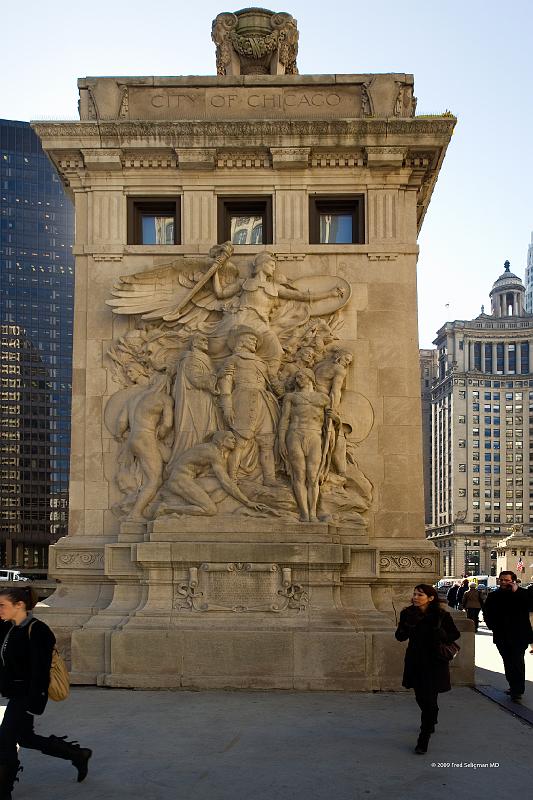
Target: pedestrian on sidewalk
(26, 646)
(451, 597)
(426, 626)
(463, 588)
(506, 614)
(473, 603)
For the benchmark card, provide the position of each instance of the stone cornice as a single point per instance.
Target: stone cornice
(380, 144)
(239, 129)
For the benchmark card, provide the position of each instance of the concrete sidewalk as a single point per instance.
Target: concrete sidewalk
(284, 745)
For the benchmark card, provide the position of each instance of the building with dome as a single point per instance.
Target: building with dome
(481, 402)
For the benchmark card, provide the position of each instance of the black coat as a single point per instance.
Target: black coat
(423, 668)
(25, 660)
(451, 597)
(506, 614)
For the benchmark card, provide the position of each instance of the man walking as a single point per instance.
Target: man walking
(506, 614)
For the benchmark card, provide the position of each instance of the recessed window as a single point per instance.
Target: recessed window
(336, 219)
(153, 220)
(245, 220)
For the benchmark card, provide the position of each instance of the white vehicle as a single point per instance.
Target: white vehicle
(11, 575)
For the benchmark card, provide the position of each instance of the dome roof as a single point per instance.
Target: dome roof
(507, 280)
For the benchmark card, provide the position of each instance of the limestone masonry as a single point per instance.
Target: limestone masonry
(246, 498)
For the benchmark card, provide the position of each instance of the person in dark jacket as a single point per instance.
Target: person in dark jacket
(26, 646)
(506, 614)
(426, 626)
(460, 593)
(451, 597)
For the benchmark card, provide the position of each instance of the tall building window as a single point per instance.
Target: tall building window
(336, 219)
(524, 358)
(153, 220)
(477, 355)
(499, 358)
(488, 357)
(245, 220)
(512, 357)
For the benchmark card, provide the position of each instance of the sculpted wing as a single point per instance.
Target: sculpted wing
(156, 294)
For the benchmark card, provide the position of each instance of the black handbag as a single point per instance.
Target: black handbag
(447, 651)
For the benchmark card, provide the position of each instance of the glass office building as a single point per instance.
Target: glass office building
(36, 314)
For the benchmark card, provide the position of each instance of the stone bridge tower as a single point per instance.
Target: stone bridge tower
(246, 500)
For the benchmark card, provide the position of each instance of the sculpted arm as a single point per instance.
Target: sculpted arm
(294, 294)
(123, 422)
(199, 378)
(167, 418)
(336, 388)
(283, 426)
(222, 293)
(230, 487)
(225, 386)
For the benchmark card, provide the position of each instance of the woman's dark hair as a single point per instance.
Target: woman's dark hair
(21, 594)
(433, 607)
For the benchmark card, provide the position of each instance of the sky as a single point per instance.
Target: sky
(472, 57)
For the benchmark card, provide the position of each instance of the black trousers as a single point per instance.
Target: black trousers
(512, 654)
(17, 728)
(473, 613)
(426, 697)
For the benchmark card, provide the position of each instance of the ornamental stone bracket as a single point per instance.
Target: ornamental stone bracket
(385, 156)
(79, 559)
(196, 158)
(290, 157)
(101, 159)
(252, 158)
(239, 588)
(407, 562)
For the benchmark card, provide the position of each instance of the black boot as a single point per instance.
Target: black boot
(71, 751)
(8, 776)
(423, 741)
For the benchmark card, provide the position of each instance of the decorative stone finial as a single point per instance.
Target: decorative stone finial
(507, 266)
(482, 309)
(255, 41)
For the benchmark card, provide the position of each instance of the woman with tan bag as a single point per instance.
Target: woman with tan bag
(26, 646)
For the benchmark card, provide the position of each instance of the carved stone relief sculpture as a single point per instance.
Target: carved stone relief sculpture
(234, 394)
(255, 41)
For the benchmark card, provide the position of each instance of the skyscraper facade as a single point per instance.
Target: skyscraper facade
(36, 311)
(482, 431)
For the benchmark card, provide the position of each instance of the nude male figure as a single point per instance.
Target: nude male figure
(300, 441)
(193, 464)
(330, 377)
(148, 417)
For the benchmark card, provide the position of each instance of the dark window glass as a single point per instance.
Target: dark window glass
(336, 219)
(477, 355)
(524, 358)
(157, 229)
(245, 220)
(153, 220)
(488, 358)
(499, 357)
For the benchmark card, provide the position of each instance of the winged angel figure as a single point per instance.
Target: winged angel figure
(215, 300)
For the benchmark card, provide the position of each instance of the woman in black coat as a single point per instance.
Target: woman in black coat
(426, 626)
(26, 646)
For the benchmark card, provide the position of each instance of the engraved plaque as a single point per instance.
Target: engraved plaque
(239, 587)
